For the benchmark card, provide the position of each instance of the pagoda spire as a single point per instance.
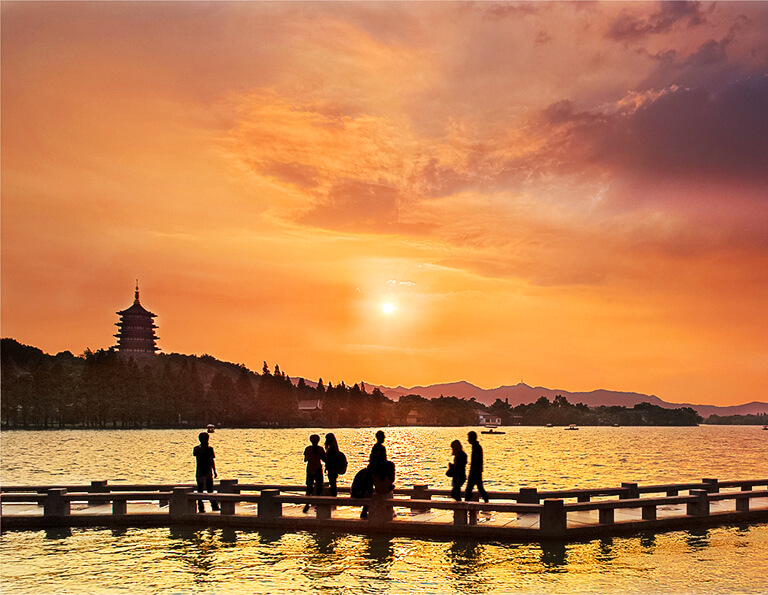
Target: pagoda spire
(136, 294)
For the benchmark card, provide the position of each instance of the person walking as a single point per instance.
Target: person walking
(475, 477)
(314, 456)
(457, 470)
(205, 469)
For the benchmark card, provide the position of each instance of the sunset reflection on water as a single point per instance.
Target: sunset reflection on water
(716, 560)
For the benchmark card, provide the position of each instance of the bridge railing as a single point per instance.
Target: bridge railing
(552, 512)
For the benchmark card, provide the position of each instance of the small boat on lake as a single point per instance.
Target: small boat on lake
(491, 429)
(572, 427)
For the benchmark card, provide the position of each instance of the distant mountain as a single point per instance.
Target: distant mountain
(522, 393)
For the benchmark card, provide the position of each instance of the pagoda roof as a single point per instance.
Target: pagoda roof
(136, 308)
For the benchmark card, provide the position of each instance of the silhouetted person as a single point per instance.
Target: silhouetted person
(457, 470)
(314, 455)
(335, 462)
(475, 477)
(381, 471)
(379, 451)
(206, 469)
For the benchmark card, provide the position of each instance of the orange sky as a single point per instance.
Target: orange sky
(569, 194)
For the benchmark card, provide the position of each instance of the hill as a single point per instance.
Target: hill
(522, 393)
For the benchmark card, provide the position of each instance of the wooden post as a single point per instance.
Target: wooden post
(180, 503)
(97, 487)
(673, 492)
(583, 498)
(631, 492)
(746, 488)
(228, 486)
(605, 516)
(55, 503)
(268, 508)
(711, 485)
(528, 496)
(553, 520)
(649, 512)
(421, 492)
(119, 506)
(701, 506)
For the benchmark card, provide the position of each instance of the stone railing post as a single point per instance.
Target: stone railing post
(649, 512)
(421, 492)
(631, 492)
(606, 515)
(268, 507)
(97, 487)
(380, 510)
(701, 506)
(460, 514)
(528, 496)
(228, 486)
(742, 504)
(56, 503)
(553, 520)
(180, 503)
(119, 506)
(711, 485)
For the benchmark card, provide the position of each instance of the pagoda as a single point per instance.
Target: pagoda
(137, 330)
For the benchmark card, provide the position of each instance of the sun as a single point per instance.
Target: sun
(388, 307)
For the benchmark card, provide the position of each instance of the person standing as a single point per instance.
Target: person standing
(457, 470)
(314, 456)
(379, 451)
(475, 477)
(205, 469)
(335, 462)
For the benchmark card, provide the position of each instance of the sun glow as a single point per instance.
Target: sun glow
(388, 307)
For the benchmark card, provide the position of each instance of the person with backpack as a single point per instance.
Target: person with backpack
(457, 470)
(335, 462)
(205, 469)
(314, 455)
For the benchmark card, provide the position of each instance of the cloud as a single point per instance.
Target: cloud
(680, 134)
(627, 27)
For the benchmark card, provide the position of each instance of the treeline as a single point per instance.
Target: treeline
(102, 389)
(560, 412)
(760, 419)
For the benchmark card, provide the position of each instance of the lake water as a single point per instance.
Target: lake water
(715, 560)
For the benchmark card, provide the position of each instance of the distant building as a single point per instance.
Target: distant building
(136, 336)
(487, 419)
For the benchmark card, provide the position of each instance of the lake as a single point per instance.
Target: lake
(715, 560)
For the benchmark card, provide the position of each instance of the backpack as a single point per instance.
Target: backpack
(342, 463)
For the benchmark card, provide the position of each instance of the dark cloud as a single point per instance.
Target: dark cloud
(683, 134)
(627, 27)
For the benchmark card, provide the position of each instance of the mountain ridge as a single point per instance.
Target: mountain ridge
(523, 393)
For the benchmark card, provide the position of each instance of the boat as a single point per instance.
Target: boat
(491, 429)
(572, 427)
(211, 428)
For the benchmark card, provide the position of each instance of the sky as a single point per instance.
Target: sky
(571, 195)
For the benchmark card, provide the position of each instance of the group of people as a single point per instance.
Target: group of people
(377, 477)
